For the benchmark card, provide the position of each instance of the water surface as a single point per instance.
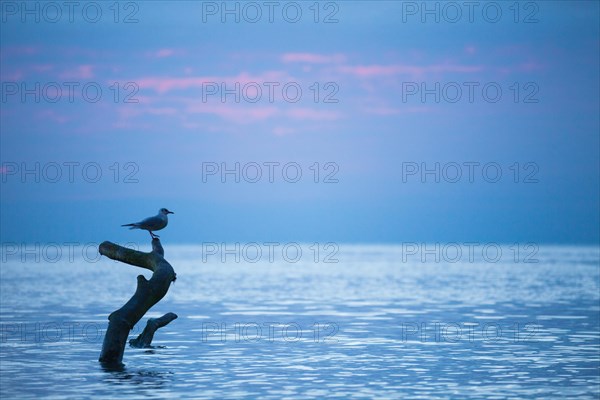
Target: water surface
(374, 324)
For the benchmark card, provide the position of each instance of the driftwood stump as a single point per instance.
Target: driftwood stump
(147, 294)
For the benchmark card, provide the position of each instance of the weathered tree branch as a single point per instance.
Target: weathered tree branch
(153, 324)
(147, 294)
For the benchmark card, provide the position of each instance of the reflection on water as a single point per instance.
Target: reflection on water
(368, 326)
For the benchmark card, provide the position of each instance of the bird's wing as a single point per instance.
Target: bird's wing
(152, 223)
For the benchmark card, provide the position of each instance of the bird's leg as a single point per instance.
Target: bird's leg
(153, 235)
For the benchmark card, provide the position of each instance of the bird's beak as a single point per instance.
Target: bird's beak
(170, 212)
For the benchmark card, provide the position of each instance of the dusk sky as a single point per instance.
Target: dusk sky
(349, 121)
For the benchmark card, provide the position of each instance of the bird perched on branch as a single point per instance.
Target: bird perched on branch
(155, 223)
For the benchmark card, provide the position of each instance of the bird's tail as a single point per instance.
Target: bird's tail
(131, 226)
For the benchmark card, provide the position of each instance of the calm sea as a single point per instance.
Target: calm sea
(404, 321)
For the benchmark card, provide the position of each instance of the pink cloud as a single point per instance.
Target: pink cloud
(530, 66)
(52, 116)
(81, 72)
(312, 58)
(42, 67)
(283, 130)
(162, 111)
(368, 71)
(395, 111)
(165, 84)
(18, 50)
(128, 112)
(164, 53)
(312, 114)
(470, 50)
(12, 76)
(236, 114)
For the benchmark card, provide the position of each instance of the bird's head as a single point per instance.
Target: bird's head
(164, 211)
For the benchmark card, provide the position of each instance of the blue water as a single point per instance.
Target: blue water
(376, 324)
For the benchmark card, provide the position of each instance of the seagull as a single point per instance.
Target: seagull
(155, 223)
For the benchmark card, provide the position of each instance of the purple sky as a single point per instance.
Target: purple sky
(355, 97)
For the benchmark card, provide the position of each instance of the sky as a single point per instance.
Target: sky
(346, 121)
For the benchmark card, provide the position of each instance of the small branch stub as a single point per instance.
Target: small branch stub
(153, 324)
